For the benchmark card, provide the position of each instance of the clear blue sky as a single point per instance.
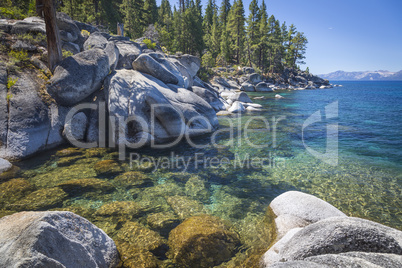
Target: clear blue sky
(349, 35)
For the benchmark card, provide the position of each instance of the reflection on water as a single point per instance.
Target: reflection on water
(138, 203)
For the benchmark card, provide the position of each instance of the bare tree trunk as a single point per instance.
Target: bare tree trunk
(52, 33)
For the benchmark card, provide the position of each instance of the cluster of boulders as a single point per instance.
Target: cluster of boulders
(313, 233)
(248, 80)
(162, 92)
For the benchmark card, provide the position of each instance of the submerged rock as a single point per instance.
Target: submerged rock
(120, 208)
(202, 241)
(197, 188)
(79, 186)
(133, 257)
(185, 207)
(54, 239)
(69, 152)
(132, 179)
(40, 200)
(107, 167)
(13, 190)
(138, 236)
(163, 221)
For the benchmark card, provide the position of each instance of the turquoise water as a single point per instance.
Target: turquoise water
(237, 177)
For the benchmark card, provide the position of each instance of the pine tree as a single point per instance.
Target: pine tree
(290, 46)
(253, 32)
(133, 22)
(236, 30)
(224, 12)
(150, 12)
(263, 36)
(225, 47)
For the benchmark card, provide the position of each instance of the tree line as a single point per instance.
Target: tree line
(221, 36)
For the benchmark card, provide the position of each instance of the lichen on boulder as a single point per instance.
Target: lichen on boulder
(202, 241)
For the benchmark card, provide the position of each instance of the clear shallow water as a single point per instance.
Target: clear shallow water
(366, 182)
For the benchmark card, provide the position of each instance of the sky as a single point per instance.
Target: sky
(348, 35)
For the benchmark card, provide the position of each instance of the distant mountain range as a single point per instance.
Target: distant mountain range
(363, 76)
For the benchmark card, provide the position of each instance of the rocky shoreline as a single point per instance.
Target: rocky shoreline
(127, 79)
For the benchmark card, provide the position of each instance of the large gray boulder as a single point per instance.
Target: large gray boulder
(263, 87)
(304, 206)
(240, 96)
(54, 239)
(209, 96)
(164, 68)
(95, 40)
(296, 209)
(128, 52)
(112, 53)
(254, 78)
(192, 63)
(69, 32)
(247, 87)
(32, 25)
(337, 235)
(77, 77)
(147, 64)
(4, 165)
(237, 107)
(130, 93)
(30, 120)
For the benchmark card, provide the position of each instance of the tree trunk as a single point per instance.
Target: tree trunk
(52, 34)
(96, 12)
(39, 8)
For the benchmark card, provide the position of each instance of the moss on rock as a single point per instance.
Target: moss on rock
(132, 179)
(42, 199)
(202, 241)
(138, 236)
(13, 190)
(133, 257)
(107, 168)
(163, 221)
(66, 161)
(120, 208)
(68, 152)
